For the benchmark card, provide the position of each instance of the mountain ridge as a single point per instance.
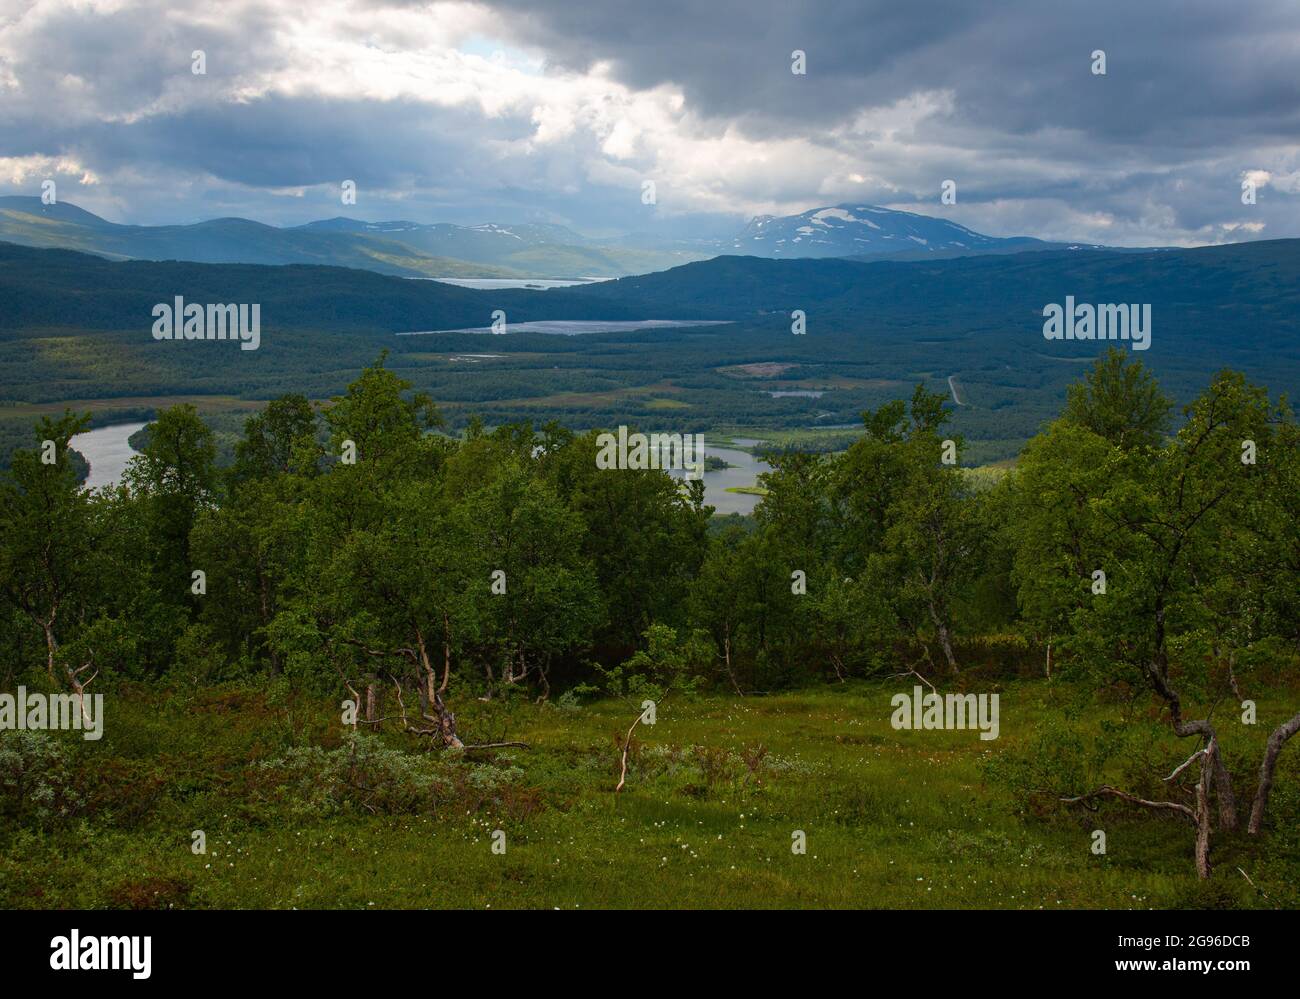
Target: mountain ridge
(405, 248)
(399, 249)
(850, 229)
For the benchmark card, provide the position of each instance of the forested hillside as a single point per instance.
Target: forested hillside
(69, 289)
(1129, 589)
(75, 328)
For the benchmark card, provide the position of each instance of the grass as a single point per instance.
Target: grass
(105, 407)
(716, 789)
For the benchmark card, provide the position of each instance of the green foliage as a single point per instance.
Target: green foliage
(37, 784)
(667, 663)
(1119, 400)
(364, 776)
(441, 584)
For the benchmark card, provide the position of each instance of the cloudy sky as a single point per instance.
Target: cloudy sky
(559, 110)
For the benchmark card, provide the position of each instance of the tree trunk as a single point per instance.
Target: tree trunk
(726, 658)
(446, 652)
(443, 718)
(545, 668)
(1203, 814)
(1223, 792)
(1275, 743)
(945, 642)
(51, 645)
(1232, 675)
(1158, 675)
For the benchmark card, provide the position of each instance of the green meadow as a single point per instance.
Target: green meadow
(293, 815)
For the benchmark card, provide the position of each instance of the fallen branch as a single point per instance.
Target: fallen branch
(1113, 792)
(622, 777)
(497, 745)
(1252, 883)
(1199, 816)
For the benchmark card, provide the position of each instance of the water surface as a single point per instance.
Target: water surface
(573, 327)
(108, 452)
(490, 284)
(745, 473)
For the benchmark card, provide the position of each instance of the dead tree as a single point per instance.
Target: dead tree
(1276, 741)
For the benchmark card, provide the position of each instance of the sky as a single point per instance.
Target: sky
(561, 110)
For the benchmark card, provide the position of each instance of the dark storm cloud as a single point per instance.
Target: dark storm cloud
(1194, 95)
(1185, 74)
(897, 97)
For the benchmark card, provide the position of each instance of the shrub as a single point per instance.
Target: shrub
(365, 776)
(36, 779)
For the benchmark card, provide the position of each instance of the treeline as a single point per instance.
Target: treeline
(353, 549)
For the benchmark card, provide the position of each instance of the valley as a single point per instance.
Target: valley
(724, 362)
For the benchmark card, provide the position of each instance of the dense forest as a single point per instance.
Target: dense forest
(75, 328)
(350, 553)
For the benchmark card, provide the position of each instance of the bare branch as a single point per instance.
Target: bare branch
(1188, 762)
(1107, 791)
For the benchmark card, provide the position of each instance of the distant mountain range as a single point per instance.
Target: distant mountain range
(75, 326)
(401, 249)
(60, 288)
(529, 250)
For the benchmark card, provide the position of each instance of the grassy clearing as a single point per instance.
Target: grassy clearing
(715, 790)
(105, 407)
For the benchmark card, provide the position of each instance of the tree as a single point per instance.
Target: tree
(172, 482)
(716, 597)
(1119, 401)
(547, 601)
(1170, 526)
(280, 439)
(642, 532)
(50, 566)
(921, 532)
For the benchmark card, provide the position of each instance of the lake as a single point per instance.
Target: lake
(107, 451)
(490, 284)
(574, 327)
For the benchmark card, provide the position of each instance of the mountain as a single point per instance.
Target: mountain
(1246, 293)
(1239, 297)
(479, 243)
(868, 231)
(524, 250)
(74, 326)
(401, 249)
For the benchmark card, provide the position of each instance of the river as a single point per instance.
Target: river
(107, 451)
(745, 473)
